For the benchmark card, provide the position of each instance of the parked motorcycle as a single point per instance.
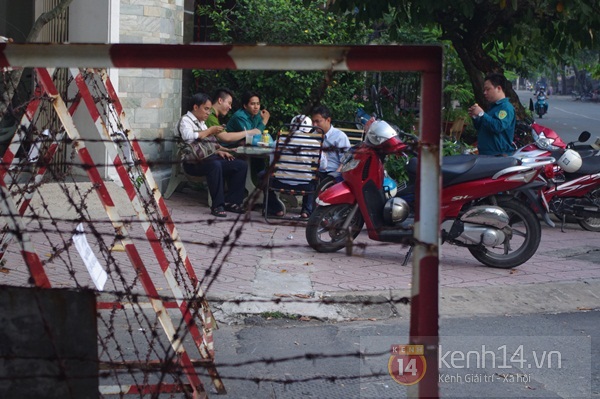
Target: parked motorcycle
(573, 189)
(498, 230)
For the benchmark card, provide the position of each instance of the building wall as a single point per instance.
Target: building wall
(152, 97)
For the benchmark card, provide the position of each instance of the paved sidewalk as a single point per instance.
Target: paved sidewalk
(272, 262)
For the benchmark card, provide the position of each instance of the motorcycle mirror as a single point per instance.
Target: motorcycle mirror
(584, 136)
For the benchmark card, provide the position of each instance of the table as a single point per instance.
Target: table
(254, 152)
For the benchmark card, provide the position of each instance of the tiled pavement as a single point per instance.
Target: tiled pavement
(561, 257)
(274, 259)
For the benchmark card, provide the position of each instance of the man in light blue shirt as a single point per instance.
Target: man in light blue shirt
(336, 142)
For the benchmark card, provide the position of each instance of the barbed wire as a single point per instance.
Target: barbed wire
(133, 349)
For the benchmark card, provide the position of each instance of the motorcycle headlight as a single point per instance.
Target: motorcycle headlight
(350, 164)
(535, 135)
(545, 143)
(347, 156)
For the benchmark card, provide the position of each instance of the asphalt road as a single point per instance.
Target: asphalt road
(567, 117)
(291, 359)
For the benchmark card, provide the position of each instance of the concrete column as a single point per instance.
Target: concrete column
(152, 97)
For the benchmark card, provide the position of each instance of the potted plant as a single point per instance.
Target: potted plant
(454, 121)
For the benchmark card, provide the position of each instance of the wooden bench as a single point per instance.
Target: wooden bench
(354, 135)
(350, 128)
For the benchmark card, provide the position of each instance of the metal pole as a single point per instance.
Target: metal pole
(424, 328)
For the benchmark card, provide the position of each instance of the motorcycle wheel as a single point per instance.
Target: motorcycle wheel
(520, 245)
(324, 232)
(591, 224)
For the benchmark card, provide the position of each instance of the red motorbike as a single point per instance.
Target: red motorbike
(573, 189)
(497, 229)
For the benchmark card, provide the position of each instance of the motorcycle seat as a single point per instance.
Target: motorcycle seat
(590, 163)
(462, 168)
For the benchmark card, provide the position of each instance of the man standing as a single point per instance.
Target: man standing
(496, 127)
(336, 142)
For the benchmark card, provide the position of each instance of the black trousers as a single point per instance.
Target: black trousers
(218, 171)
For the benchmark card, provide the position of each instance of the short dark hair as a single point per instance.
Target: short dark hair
(198, 99)
(221, 92)
(248, 95)
(497, 79)
(321, 110)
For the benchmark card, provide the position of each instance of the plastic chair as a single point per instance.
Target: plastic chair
(295, 165)
(179, 177)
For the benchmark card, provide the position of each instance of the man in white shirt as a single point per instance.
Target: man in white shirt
(336, 142)
(216, 163)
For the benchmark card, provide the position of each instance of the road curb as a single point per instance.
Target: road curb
(568, 296)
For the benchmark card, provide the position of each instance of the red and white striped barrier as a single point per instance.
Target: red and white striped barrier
(8, 159)
(204, 342)
(17, 227)
(166, 322)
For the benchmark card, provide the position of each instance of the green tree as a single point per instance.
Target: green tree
(490, 35)
(287, 93)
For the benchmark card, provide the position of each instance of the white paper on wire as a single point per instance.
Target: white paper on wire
(34, 151)
(96, 271)
(127, 152)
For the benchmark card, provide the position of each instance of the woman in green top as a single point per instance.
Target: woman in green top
(250, 118)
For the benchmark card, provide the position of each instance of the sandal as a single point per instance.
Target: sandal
(234, 208)
(304, 214)
(218, 211)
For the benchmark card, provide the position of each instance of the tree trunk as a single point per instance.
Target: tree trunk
(520, 111)
(477, 64)
(563, 80)
(473, 72)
